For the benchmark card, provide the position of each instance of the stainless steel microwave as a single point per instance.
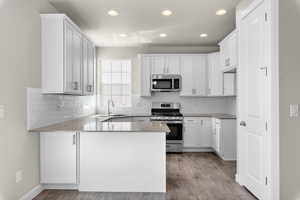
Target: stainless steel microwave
(165, 83)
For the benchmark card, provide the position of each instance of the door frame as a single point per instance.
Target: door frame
(272, 11)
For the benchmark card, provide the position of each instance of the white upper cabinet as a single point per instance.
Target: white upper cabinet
(172, 63)
(194, 75)
(158, 64)
(145, 63)
(88, 67)
(215, 75)
(229, 52)
(66, 57)
(165, 64)
(229, 82)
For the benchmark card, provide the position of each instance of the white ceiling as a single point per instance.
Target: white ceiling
(142, 22)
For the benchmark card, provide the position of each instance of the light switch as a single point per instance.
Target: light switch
(294, 110)
(2, 112)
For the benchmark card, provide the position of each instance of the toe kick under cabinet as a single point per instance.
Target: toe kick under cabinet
(68, 57)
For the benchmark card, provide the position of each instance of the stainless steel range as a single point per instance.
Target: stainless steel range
(169, 113)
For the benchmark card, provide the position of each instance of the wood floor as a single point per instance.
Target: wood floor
(190, 176)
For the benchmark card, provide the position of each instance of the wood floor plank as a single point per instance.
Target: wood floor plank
(190, 176)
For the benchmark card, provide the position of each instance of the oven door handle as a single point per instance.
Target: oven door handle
(170, 122)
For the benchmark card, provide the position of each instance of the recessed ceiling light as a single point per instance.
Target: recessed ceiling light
(221, 12)
(167, 12)
(113, 13)
(123, 35)
(163, 35)
(203, 35)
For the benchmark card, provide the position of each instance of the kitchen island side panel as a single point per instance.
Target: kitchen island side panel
(122, 162)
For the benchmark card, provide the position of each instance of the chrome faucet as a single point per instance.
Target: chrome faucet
(110, 103)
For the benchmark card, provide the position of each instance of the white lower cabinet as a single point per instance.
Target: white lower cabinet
(58, 157)
(197, 132)
(224, 138)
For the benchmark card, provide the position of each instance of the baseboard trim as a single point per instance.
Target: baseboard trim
(197, 149)
(32, 193)
(60, 186)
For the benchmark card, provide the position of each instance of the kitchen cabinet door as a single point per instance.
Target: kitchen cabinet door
(229, 84)
(197, 132)
(88, 54)
(233, 52)
(200, 75)
(172, 64)
(69, 81)
(229, 53)
(218, 137)
(90, 87)
(158, 64)
(194, 75)
(146, 64)
(213, 135)
(186, 71)
(73, 60)
(77, 61)
(58, 158)
(215, 75)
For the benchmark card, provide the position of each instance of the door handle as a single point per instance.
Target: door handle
(243, 123)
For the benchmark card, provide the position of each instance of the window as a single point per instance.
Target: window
(116, 82)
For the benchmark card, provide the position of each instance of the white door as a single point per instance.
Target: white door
(173, 64)
(253, 92)
(58, 158)
(158, 64)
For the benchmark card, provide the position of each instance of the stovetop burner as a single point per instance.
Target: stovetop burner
(166, 112)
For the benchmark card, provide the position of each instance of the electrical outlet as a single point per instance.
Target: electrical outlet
(19, 176)
(294, 110)
(2, 112)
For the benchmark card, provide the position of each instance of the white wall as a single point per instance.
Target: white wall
(289, 93)
(20, 59)
(143, 105)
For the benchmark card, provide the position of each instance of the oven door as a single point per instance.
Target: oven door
(175, 135)
(162, 84)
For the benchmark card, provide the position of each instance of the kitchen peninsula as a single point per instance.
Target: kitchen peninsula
(98, 154)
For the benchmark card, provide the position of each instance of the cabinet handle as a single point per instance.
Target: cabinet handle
(75, 85)
(74, 139)
(194, 91)
(243, 123)
(90, 88)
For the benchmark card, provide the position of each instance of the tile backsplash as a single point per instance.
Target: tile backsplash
(142, 105)
(43, 110)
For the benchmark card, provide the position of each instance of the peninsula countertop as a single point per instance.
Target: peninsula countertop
(98, 124)
(213, 115)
